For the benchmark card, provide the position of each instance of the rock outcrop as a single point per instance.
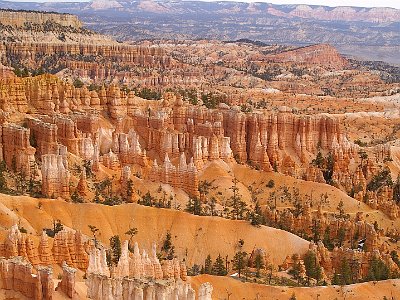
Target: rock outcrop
(184, 176)
(18, 275)
(169, 140)
(68, 246)
(55, 176)
(139, 276)
(18, 154)
(322, 54)
(20, 18)
(67, 283)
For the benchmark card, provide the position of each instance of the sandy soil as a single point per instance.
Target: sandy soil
(238, 290)
(193, 237)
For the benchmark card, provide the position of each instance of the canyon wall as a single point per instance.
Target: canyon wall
(67, 246)
(18, 275)
(322, 54)
(20, 18)
(140, 276)
(169, 139)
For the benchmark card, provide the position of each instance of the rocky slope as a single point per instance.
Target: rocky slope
(373, 291)
(283, 24)
(19, 19)
(322, 55)
(225, 161)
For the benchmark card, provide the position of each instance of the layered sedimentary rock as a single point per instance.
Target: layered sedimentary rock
(332, 261)
(12, 96)
(19, 244)
(68, 246)
(18, 154)
(101, 287)
(44, 136)
(67, 283)
(74, 55)
(128, 147)
(156, 136)
(20, 18)
(139, 276)
(185, 176)
(55, 176)
(18, 275)
(146, 131)
(45, 253)
(126, 183)
(205, 291)
(377, 14)
(321, 54)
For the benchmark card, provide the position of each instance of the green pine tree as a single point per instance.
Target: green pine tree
(115, 251)
(208, 265)
(219, 267)
(345, 273)
(378, 270)
(259, 263)
(239, 262)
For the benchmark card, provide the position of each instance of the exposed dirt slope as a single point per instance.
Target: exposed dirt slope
(199, 236)
(239, 290)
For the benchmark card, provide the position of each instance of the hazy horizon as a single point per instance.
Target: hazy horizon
(332, 3)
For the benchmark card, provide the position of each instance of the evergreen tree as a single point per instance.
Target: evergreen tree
(256, 217)
(87, 166)
(293, 297)
(219, 267)
(3, 181)
(239, 262)
(313, 268)
(297, 203)
(197, 207)
(341, 210)
(235, 200)
(131, 232)
(212, 205)
(76, 198)
(94, 231)
(378, 270)
(328, 172)
(316, 227)
(345, 277)
(319, 160)
(396, 190)
(168, 248)
(57, 226)
(208, 265)
(129, 188)
(336, 279)
(341, 236)
(17, 72)
(194, 206)
(295, 271)
(204, 189)
(259, 263)
(115, 249)
(395, 257)
(167, 243)
(327, 239)
(147, 200)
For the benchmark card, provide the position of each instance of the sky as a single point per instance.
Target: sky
(362, 3)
